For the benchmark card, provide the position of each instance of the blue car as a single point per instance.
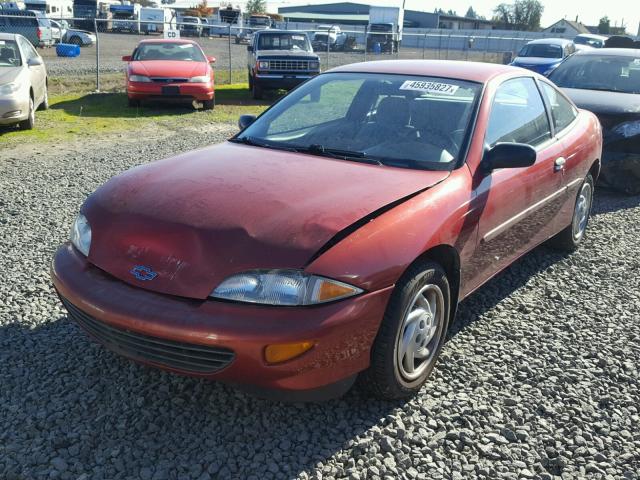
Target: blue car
(543, 55)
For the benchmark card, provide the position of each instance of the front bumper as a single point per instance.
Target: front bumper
(286, 81)
(13, 109)
(343, 332)
(153, 90)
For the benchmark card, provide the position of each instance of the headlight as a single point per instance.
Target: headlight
(314, 65)
(263, 65)
(282, 287)
(81, 234)
(9, 88)
(139, 78)
(200, 79)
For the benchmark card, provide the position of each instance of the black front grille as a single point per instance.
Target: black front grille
(288, 65)
(187, 357)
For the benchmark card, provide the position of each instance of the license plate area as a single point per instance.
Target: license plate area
(171, 90)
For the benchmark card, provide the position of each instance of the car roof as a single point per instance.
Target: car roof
(551, 41)
(461, 70)
(279, 30)
(167, 40)
(8, 36)
(592, 35)
(617, 52)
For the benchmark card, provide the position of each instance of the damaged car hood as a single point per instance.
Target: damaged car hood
(197, 218)
(608, 103)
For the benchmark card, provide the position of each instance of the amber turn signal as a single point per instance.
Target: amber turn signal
(285, 351)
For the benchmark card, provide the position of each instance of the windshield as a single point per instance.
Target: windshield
(283, 41)
(397, 120)
(190, 20)
(592, 42)
(541, 50)
(187, 52)
(599, 72)
(9, 54)
(259, 21)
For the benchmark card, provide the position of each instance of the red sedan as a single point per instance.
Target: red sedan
(334, 236)
(170, 70)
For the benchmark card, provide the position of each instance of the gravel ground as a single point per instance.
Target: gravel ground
(538, 380)
(114, 46)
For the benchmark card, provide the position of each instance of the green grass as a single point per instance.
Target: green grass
(82, 115)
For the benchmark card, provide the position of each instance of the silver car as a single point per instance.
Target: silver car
(23, 81)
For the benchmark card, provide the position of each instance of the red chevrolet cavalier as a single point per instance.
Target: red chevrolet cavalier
(333, 237)
(170, 70)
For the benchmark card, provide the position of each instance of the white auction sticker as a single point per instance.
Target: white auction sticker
(431, 87)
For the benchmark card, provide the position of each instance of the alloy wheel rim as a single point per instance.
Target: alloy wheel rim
(583, 208)
(420, 332)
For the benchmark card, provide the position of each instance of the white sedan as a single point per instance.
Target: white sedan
(23, 81)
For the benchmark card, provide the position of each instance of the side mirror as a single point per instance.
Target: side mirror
(34, 62)
(126, 58)
(245, 120)
(509, 155)
(249, 48)
(211, 59)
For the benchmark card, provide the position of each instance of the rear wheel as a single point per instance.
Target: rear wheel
(411, 334)
(30, 122)
(76, 41)
(572, 236)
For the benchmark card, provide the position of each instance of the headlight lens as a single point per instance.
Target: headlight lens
(263, 65)
(9, 88)
(282, 287)
(314, 65)
(81, 234)
(200, 79)
(139, 78)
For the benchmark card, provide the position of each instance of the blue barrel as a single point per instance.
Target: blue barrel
(67, 50)
(377, 48)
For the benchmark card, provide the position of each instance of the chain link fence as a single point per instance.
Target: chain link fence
(103, 42)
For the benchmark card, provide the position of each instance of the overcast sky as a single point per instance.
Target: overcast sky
(589, 11)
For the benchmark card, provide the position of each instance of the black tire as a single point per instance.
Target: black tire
(29, 123)
(45, 101)
(571, 237)
(256, 90)
(250, 77)
(75, 41)
(132, 102)
(209, 104)
(385, 378)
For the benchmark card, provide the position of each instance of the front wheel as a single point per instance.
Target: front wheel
(209, 104)
(572, 236)
(30, 122)
(256, 90)
(411, 334)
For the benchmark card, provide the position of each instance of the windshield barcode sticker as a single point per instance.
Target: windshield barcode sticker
(431, 87)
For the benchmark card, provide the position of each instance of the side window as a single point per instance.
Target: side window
(518, 114)
(562, 111)
(27, 49)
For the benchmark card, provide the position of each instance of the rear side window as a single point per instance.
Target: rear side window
(518, 115)
(562, 111)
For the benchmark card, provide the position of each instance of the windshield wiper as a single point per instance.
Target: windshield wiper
(316, 149)
(256, 143)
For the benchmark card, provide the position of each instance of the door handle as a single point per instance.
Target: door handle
(559, 164)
